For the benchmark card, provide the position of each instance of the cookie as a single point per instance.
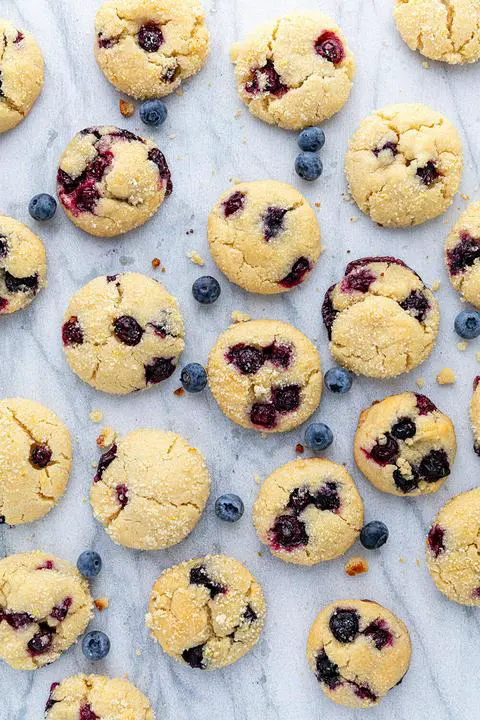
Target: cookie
(265, 375)
(295, 71)
(475, 414)
(35, 460)
(446, 31)
(110, 181)
(358, 651)
(381, 319)
(45, 604)
(159, 506)
(146, 48)
(94, 697)
(453, 548)
(123, 333)
(264, 236)
(23, 265)
(21, 74)
(462, 255)
(206, 613)
(404, 165)
(405, 445)
(308, 511)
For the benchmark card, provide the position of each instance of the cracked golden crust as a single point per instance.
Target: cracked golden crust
(25, 258)
(466, 282)
(475, 414)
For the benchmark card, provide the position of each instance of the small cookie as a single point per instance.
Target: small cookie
(381, 319)
(358, 651)
(462, 255)
(21, 74)
(123, 333)
(404, 445)
(206, 613)
(146, 48)
(475, 414)
(35, 460)
(23, 265)
(453, 548)
(110, 181)
(295, 71)
(404, 165)
(264, 236)
(265, 375)
(446, 31)
(308, 511)
(45, 604)
(159, 506)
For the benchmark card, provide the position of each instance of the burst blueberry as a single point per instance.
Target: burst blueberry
(318, 436)
(193, 377)
(206, 290)
(89, 563)
(95, 645)
(153, 112)
(308, 166)
(229, 507)
(311, 139)
(338, 380)
(467, 324)
(42, 207)
(374, 534)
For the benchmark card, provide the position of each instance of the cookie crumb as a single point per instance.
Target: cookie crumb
(417, 562)
(317, 204)
(238, 316)
(156, 262)
(446, 376)
(106, 438)
(237, 114)
(462, 346)
(477, 356)
(356, 565)
(436, 285)
(179, 92)
(101, 603)
(299, 449)
(465, 197)
(354, 218)
(259, 553)
(257, 479)
(402, 560)
(195, 258)
(127, 108)
(426, 65)
(172, 136)
(96, 416)
(138, 652)
(420, 382)
(179, 392)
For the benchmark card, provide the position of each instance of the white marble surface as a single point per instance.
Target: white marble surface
(211, 147)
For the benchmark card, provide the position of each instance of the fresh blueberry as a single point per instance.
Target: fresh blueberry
(206, 290)
(153, 112)
(311, 139)
(89, 563)
(308, 166)
(338, 380)
(229, 507)
(374, 534)
(467, 324)
(95, 645)
(318, 436)
(42, 207)
(193, 377)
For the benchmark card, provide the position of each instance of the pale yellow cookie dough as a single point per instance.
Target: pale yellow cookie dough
(462, 255)
(23, 265)
(475, 414)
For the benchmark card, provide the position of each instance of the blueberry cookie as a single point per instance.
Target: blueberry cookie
(295, 71)
(207, 613)
(111, 181)
(146, 48)
(404, 165)
(21, 74)
(453, 548)
(404, 445)
(381, 319)
(35, 460)
(45, 604)
(94, 697)
(358, 651)
(462, 255)
(308, 511)
(123, 333)
(265, 375)
(475, 414)
(159, 506)
(447, 31)
(23, 265)
(264, 236)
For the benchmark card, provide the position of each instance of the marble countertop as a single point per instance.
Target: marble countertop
(211, 146)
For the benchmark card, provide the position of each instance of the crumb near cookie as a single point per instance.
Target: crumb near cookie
(240, 316)
(96, 416)
(101, 603)
(356, 565)
(446, 377)
(106, 438)
(127, 108)
(195, 258)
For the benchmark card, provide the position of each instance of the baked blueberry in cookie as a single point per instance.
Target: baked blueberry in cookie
(475, 414)
(23, 265)
(462, 255)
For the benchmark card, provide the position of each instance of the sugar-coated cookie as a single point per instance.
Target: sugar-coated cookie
(23, 265)
(462, 254)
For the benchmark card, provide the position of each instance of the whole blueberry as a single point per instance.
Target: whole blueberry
(153, 112)
(311, 139)
(467, 324)
(193, 377)
(89, 563)
(42, 207)
(308, 166)
(95, 645)
(338, 380)
(206, 290)
(374, 534)
(318, 436)
(229, 507)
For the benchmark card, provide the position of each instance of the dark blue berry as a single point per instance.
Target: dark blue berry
(374, 534)
(153, 112)
(338, 380)
(318, 436)
(206, 290)
(308, 166)
(193, 377)
(229, 507)
(42, 207)
(311, 139)
(95, 645)
(467, 324)
(89, 563)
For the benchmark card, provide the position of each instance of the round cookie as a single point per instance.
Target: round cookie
(146, 48)
(110, 181)
(35, 460)
(295, 71)
(94, 697)
(358, 651)
(264, 236)
(23, 265)
(381, 319)
(308, 511)
(404, 165)
(158, 507)
(45, 604)
(207, 612)
(21, 74)
(404, 445)
(123, 333)
(265, 375)
(462, 255)
(446, 31)
(453, 548)
(475, 414)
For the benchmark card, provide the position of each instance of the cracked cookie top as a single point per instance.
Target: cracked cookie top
(265, 375)
(295, 71)
(146, 48)
(23, 265)
(44, 606)
(264, 236)
(358, 651)
(207, 612)
(381, 319)
(308, 511)
(462, 254)
(123, 333)
(404, 165)
(475, 414)
(159, 506)
(453, 548)
(21, 74)
(110, 181)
